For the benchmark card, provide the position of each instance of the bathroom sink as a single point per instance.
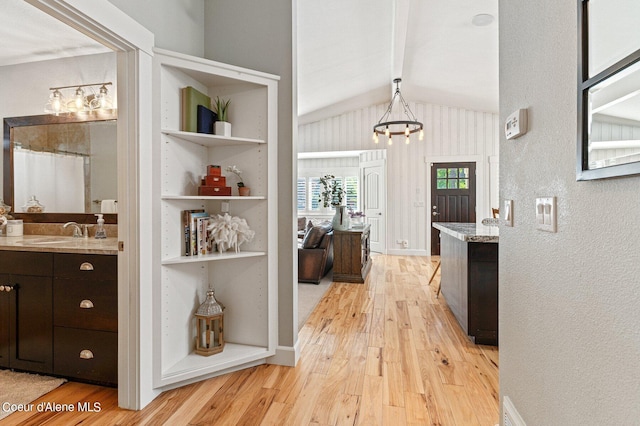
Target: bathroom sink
(47, 241)
(51, 241)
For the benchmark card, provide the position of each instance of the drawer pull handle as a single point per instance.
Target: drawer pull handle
(86, 304)
(86, 354)
(86, 266)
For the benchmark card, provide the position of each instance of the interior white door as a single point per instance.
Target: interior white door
(374, 198)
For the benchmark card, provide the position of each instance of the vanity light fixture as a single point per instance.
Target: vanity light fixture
(86, 98)
(397, 127)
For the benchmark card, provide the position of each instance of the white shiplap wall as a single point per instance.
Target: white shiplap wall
(451, 134)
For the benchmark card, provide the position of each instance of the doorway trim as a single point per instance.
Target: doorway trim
(133, 44)
(481, 185)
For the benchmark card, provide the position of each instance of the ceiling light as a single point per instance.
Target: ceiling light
(482, 20)
(397, 127)
(95, 98)
(55, 103)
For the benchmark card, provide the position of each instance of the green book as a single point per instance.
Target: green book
(191, 98)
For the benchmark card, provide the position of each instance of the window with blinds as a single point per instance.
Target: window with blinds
(309, 193)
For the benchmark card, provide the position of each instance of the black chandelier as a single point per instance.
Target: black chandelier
(398, 127)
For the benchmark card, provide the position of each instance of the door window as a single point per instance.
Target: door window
(452, 178)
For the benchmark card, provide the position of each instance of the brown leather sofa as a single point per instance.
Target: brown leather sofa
(315, 254)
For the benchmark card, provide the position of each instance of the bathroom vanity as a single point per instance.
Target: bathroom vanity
(58, 306)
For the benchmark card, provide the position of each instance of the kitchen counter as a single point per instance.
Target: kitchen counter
(469, 232)
(469, 277)
(59, 244)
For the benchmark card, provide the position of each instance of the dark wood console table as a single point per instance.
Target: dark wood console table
(351, 256)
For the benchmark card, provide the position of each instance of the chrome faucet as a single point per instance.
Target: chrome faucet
(77, 232)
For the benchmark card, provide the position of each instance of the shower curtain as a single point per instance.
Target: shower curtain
(56, 180)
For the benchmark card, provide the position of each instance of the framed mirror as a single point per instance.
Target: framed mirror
(608, 89)
(67, 162)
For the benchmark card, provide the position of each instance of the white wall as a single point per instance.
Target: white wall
(30, 83)
(569, 340)
(451, 134)
(176, 25)
(260, 36)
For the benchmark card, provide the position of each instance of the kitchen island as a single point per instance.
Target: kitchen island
(469, 277)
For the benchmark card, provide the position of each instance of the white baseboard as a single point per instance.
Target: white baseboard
(286, 355)
(407, 252)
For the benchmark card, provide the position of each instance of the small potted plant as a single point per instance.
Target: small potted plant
(357, 219)
(242, 189)
(221, 107)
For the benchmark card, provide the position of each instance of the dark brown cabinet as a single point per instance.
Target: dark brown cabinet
(26, 317)
(4, 323)
(351, 256)
(85, 317)
(59, 315)
(469, 283)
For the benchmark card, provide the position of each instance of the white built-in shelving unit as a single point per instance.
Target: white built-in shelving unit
(245, 282)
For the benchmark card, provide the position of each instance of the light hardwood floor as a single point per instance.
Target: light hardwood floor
(386, 352)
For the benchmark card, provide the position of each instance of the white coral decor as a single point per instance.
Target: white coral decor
(229, 232)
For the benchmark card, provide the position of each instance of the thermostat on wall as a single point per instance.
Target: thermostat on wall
(516, 124)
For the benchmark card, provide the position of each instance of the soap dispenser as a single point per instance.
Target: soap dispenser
(100, 232)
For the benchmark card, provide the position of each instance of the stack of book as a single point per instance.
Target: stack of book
(196, 237)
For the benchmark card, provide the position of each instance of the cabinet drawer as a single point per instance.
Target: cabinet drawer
(85, 304)
(26, 263)
(86, 355)
(85, 266)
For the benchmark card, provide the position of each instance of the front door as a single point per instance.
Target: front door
(453, 196)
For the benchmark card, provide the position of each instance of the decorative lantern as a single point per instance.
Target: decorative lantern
(209, 326)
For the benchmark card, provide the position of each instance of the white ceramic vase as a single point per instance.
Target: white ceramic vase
(222, 128)
(341, 220)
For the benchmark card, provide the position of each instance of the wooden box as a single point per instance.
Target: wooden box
(213, 170)
(214, 190)
(220, 181)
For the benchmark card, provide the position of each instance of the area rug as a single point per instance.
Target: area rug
(23, 388)
(309, 295)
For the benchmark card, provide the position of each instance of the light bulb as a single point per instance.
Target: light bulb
(390, 141)
(79, 98)
(407, 140)
(387, 132)
(375, 137)
(56, 101)
(421, 135)
(102, 96)
(406, 131)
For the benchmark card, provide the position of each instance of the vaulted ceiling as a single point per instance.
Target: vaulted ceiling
(348, 51)
(28, 35)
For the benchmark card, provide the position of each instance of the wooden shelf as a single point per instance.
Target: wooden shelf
(210, 140)
(212, 257)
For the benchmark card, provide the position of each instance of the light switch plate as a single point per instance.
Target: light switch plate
(508, 212)
(546, 214)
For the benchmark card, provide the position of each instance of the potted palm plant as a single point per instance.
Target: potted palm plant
(221, 107)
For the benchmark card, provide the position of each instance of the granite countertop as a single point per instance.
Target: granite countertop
(59, 244)
(469, 232)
